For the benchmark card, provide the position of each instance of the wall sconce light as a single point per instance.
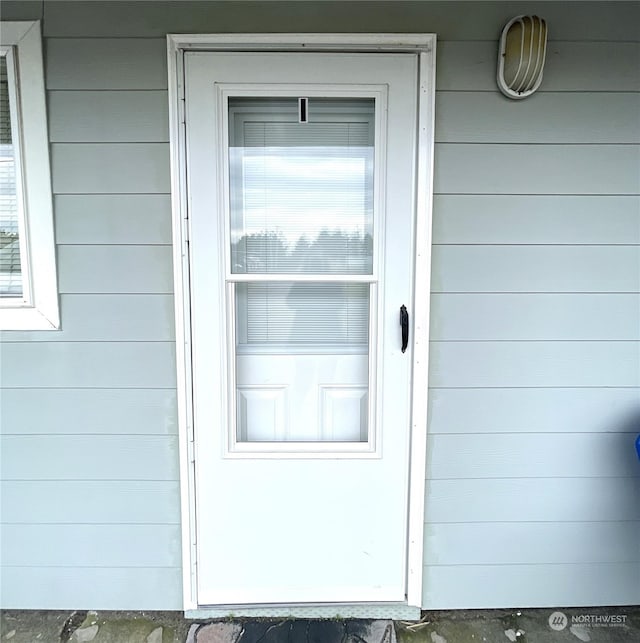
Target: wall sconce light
(521, 56)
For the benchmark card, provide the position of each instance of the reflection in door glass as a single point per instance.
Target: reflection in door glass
(301, 203)
(301, 193)
(304, 314)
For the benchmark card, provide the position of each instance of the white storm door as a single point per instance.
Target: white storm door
(300, 172)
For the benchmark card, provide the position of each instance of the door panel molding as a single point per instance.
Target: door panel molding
(424, 46)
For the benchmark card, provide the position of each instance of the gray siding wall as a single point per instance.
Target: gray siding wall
(533, 490)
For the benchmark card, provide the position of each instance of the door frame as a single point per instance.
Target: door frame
(424, 46)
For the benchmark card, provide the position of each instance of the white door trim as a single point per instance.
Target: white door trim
(425, 46)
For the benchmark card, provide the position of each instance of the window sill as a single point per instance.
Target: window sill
(30, 318)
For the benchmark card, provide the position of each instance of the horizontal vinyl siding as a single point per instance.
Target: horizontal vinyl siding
(112, 168)
(531, 455)
(542, 585)
(533, 410)
(106, 411)
(536, 169)
(468, 21)
(534, 316)
(79, 63)
(107, 546)
(570, 66)
(113, 116)
(504, 268)
(121, 219)
(547, 543)
(103, 502)
(587, 500)
(577, 118)
(138, 268)
(89, 418)
(546, 219)
(88, 365)
(89, 457)
(534, 364)
(112, 588)
(533, 485)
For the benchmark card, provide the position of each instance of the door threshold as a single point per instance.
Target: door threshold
(392, 611)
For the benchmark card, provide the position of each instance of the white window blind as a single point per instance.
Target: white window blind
(301, 203)
(303, 314)
(10, 270)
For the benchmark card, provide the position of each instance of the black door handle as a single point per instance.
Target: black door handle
(404, 325)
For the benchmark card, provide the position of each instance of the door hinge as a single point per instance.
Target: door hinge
(185, 227)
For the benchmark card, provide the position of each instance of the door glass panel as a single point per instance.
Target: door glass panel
(302, 361)
(301, 203)
(301, 193)
(289, 315)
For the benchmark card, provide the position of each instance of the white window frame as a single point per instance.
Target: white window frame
(425, 46)
(38, 309)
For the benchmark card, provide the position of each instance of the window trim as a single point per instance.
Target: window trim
(41, 309)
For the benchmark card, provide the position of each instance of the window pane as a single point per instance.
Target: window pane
(302, 314)
(302, 370)
(301, 192)
(301, 202)
(10, 272)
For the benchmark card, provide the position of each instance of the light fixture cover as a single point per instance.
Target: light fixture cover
(523, 46)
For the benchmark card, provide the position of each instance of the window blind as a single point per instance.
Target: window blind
(302, 202)
(10, 271)
(303, 314)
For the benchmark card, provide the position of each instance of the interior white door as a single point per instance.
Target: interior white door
(301, 182)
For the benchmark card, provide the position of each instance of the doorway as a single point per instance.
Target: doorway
(302, 213)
